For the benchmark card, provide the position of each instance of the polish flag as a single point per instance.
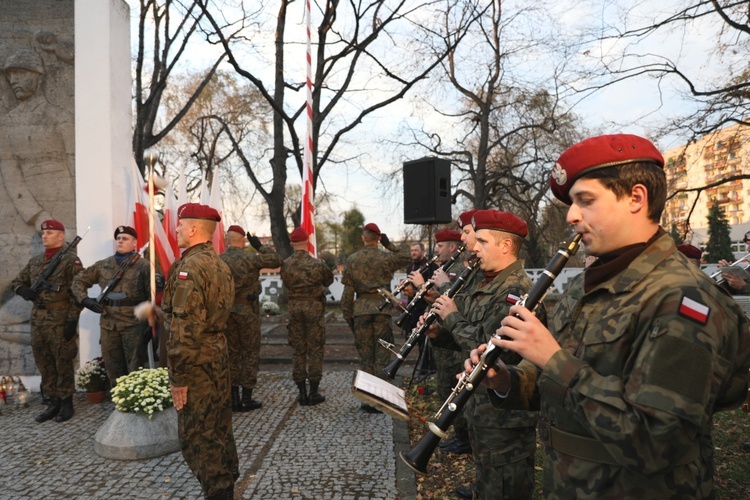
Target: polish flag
(308, 208)
(170, 218)
(214, 201)
(694, 310)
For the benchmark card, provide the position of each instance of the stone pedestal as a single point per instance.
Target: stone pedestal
(132, 436)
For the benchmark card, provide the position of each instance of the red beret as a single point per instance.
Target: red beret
(299, 234)
(198, 211)
(447, 235)
(236, 229)
(599, 152)
(372, 227)
(125, 230)
(690, 251)
(465, 218)
(53, 224)
(499, 221)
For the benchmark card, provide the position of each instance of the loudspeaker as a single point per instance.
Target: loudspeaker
(427, 191)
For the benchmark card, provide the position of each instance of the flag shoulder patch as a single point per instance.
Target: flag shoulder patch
(182, 275)
(512, 299)
(694, 310)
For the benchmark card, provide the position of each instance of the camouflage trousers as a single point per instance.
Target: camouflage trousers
(243, 340)
(54, 356)
(307, 336)
(205, 428)
(448, 363)
(124, 351)
(367, 330)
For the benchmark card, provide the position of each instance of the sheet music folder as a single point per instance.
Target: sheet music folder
(377, 392)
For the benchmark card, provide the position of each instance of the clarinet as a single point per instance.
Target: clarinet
(406, 283)
(416, 334)
(417, 457)
(427, 287)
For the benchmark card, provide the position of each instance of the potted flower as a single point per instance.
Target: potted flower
(143, 391)
(92, 378)
(270, 308)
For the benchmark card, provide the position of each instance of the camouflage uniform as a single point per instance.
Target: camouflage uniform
(304, 279)
(627, 404)
(122, 334)
(367, 270)
(243, 327)
(503, 443)
(197, 300)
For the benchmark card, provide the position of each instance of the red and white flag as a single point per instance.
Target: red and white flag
(308, 208)
(170, 218)
(694, 310)
(214, 201)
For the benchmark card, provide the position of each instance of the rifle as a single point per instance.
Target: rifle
(41, 282)
(115, 279)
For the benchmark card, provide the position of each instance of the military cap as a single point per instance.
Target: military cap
(372, 227)
(236, 229)
(299, 234)
(690, 251)
(198, 211)
(447, 235)
(53, 224)
(599, 152)
(125, 230)
(24, 59)
(499, 221)
(465, 218)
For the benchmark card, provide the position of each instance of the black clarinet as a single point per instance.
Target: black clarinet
(417, 457)
(417, 333)
(406, 282)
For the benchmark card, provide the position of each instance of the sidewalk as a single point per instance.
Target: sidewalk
(329, 451)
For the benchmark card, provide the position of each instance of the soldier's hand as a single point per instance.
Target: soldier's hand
(384, 240)
(26, 293)
(179, 396)
(416, 278)
(92, 305)
(254, 241)
(71, 329)
(439, 277)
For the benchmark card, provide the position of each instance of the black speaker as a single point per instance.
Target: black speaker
(427, 191)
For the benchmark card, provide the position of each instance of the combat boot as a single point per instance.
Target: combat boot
(248, 403)
(302, 399)
(315, 398)
(66, 410)
(53, 408)
(235, 398)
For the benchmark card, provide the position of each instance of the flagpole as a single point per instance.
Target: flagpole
(151, 156)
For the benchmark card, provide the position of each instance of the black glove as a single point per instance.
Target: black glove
(384, 240)
(92, 305)
(71, 329)
(26, 292)
(350, 322)
(254, 241)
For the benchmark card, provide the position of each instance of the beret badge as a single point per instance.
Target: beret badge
(559, 174)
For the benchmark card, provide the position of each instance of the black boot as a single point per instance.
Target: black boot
(53, 408)
(235, 398)
(66, 410)
(302, 399)
(248, 403)
(315, 398)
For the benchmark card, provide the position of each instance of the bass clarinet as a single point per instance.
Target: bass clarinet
(418, 457)
(416, 334)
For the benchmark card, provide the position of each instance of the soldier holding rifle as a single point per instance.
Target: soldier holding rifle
(643, 347)
(54, 319)
(122, 334)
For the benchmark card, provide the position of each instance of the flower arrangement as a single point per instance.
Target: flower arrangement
(92, 377)
(143, 391)
(270, 308)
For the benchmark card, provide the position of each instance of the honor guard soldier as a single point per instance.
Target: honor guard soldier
(643, 347)
(54, 320)
(367, 270)
(243, 327)
(126, 277)
(197, 302)
(305, 280)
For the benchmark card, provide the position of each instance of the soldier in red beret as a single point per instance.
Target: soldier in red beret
(54, 320)
(691, 252)
(644, 347)
(243, 326)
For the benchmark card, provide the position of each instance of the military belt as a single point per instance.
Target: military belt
(368, 295)
(121, 303)
(587, 448)
(308, 299)
(57, 304)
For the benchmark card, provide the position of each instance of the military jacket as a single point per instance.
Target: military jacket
(367, 270)
(63, 276)
(305, 277)
(245, 267)
(133, 288)
(197, 301)
(647, 358)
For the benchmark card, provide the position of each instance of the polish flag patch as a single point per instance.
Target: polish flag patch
(694, 310)
(182, 275)
(513, 299)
